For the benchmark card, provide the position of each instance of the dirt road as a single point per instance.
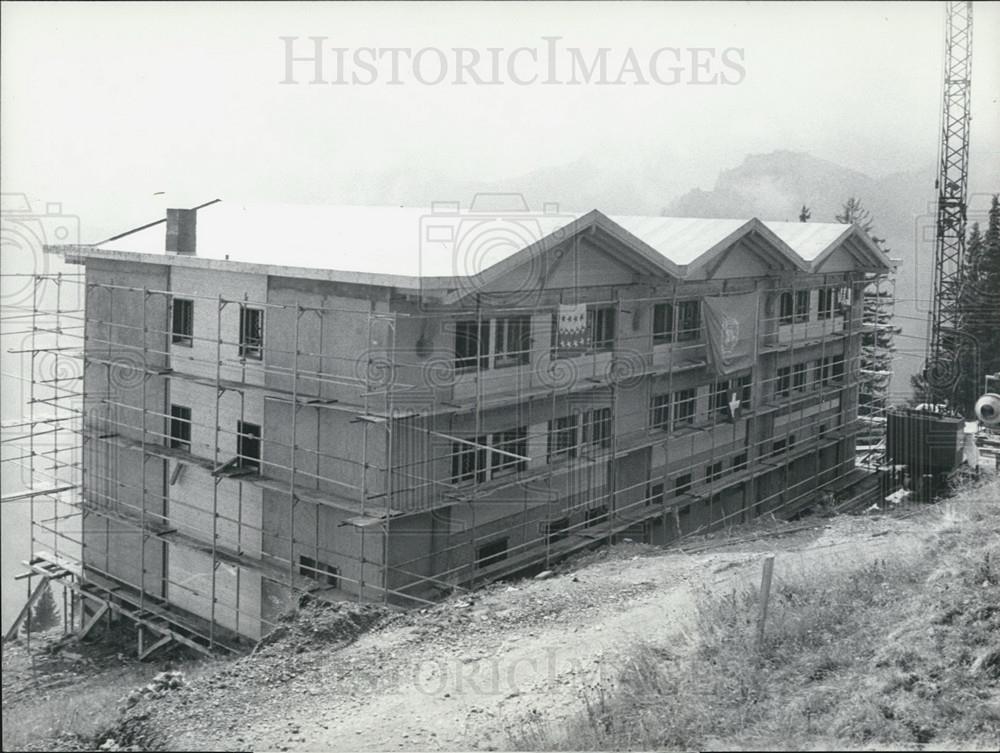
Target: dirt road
(461, 675)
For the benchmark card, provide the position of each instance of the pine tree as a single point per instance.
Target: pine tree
(979, 307)
(979, 318)
(969, 355)
(44, 615)
(854, 212)
(878, 333)
(922, 393)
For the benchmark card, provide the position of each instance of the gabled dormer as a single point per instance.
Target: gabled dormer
(829, 248)
(709, 249)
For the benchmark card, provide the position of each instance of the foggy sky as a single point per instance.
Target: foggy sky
(106, 104)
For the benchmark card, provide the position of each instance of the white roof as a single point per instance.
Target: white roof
(421, 242)
(680, 239)
(413, 242)
(809, 239)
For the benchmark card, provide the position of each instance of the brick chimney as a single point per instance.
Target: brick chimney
(181, 227)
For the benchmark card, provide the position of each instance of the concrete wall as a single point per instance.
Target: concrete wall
(237, 590)
(124, 403)
(322, 533)
(194, 504)
(340, 330)
(205, 288)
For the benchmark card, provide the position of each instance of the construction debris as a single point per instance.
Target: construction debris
(162, 683)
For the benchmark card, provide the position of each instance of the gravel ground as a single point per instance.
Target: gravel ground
(460, 674)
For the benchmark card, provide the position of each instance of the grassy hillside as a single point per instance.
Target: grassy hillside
(902, 650)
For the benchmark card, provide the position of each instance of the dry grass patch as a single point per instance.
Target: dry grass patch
(891, 646)
(59, 720)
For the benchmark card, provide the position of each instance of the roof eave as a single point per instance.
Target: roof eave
(873, 252)
(81, 254)
(592, 219)
(784, 251)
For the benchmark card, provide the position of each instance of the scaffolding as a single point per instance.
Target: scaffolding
(476, 427)
(878, 332)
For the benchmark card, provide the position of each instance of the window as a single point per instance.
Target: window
(512, 343)
(654, 494)
(740, 462)
(248, 445)
(562, 437)
(180, 427)
(723, 391)
(326, 574)
(794, 307)
(831, 369)
(601, 325)
(182, 330)
(663, 323)
(597, 427)
(713, 472)
(822, 431)
(825, 370)
(597, 515)
(682, 484)
(817, 370)
(827, 302)
(659, 412)
(688, 320)
(791, 441)
(683, 408)
(489, 456)
(491, 553)
(514, 441)
(557, 529)
(492, 343)
(778, 446)
(718, 399)
(801, 306)
(838, 369)
(784, 383)
(471, 343)
(787, 308)
(745, 388)
(681, 322)
(799, 376)
(251, 332)
(468, 462)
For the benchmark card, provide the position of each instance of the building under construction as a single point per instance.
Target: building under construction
(386, 404)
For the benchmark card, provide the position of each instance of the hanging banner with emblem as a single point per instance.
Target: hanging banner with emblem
(573, 334)
(731, 324)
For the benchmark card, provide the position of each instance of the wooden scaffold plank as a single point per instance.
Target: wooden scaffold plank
(89, 625)
(36, 594)
(163, 641)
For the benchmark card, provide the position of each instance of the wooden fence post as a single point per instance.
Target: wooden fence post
(765, 595)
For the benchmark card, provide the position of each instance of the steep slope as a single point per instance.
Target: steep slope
(884, 626)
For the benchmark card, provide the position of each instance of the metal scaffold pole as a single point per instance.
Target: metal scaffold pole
(220, 306)
(144, 414)
(292, 497)
(391, 424)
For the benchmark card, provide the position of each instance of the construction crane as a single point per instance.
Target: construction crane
(943, 342)
(929, 443)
